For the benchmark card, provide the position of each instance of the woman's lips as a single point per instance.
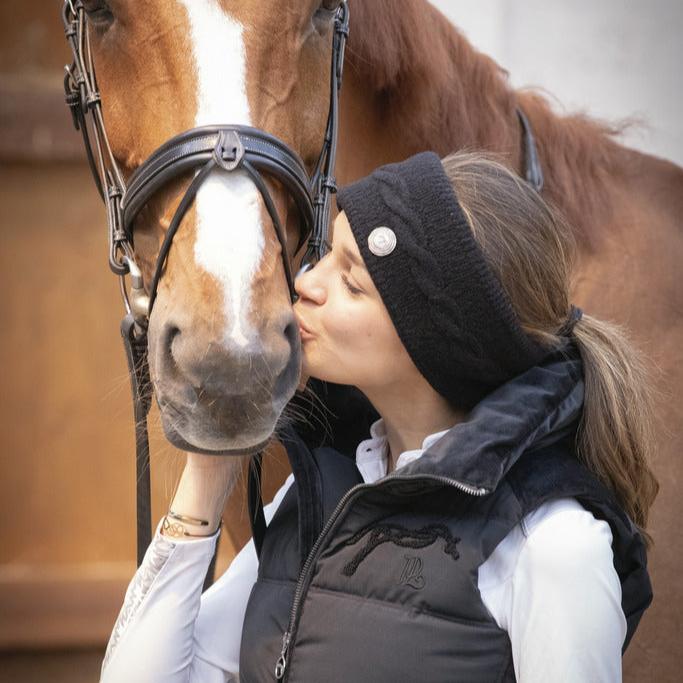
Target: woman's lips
(304, 331)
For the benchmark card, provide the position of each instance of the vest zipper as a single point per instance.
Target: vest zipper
(281, 664)
(283, 659)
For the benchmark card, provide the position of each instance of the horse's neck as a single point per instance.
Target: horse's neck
(413, 82)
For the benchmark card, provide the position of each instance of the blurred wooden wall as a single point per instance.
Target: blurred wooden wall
(67, 476)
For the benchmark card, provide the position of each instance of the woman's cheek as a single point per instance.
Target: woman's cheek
(346, 328)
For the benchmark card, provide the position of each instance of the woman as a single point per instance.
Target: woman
(484, 531)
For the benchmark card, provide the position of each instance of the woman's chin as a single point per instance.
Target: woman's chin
(307, 370)
(303, 380)
(311, 369)
(308, 357)
(316, 367)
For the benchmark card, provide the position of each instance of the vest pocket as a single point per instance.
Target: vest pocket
(349, 638)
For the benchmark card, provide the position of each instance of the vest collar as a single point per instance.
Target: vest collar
(532, 410)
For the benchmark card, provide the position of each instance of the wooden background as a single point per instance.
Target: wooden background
(67, 513)
(67, 474)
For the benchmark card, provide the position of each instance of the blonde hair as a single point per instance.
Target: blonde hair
(532, 251)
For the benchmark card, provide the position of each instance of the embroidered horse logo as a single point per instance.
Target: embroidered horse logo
(412, 573)
(404, 538)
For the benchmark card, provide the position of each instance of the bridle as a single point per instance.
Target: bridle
(203, 149)
(224, 148)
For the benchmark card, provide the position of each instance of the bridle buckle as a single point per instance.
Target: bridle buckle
(229, 150)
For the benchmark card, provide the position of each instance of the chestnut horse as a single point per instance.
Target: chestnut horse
(218, 336)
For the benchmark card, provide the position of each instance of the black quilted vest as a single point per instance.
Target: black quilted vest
(378, 582)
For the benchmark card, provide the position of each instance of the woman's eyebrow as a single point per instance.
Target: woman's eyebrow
(357, 261)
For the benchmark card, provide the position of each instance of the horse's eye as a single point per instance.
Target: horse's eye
(99, 12)
(326, 11)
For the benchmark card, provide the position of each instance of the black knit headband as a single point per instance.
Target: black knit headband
(448, 307)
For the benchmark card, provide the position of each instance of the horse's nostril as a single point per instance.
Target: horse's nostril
(287, 379)
(292, 333)
(170, 334)
(263, 369)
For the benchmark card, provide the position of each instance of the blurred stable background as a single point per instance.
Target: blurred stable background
(66, 435)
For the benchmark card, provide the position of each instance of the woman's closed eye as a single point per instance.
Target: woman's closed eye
(349, 286)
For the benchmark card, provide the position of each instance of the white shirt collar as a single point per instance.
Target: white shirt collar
(371, 454)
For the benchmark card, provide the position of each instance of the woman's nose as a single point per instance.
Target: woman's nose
(309, 285)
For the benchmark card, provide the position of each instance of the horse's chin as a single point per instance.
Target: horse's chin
(201, 436)
(213, 449)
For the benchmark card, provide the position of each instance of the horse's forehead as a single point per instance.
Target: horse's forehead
(218, 48)
(232, 237)
(274, 14)
(229, 238)
(232, 40)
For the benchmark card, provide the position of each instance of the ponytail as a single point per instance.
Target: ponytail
(615, 438)
(531, 249)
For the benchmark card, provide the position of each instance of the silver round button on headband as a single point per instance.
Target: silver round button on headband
(382, 241)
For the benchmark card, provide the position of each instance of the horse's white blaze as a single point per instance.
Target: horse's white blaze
(229, 240)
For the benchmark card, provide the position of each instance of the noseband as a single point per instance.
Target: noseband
(220, 148)
(226, 148)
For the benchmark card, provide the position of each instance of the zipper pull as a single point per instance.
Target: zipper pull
(281, 664)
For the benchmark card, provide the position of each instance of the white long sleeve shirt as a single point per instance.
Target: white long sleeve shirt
(551, 584)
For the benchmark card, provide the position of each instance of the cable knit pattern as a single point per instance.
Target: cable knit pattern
(155, 558)
(447, 305)
(444, 311)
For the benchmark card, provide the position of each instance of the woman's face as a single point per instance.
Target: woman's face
(346, 332)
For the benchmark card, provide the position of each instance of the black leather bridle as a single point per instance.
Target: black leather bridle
(221, 147)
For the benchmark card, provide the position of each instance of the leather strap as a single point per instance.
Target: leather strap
(322, 180)
(135, 345)
(534, 170)
(196, 147)
(257, 518)
(308, 485)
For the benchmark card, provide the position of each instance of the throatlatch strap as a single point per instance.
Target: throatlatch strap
(138, 369)
(534, 170)
(257, 518)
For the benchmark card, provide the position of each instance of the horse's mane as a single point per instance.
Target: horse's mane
(422, 68)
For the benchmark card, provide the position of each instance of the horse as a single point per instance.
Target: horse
(224, 356)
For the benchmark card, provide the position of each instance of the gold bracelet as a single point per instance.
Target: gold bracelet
(176, 530)
(189, 520)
